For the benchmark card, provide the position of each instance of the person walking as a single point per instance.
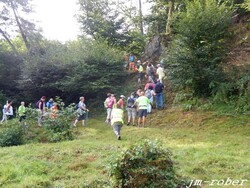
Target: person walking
(117, 120)
(108, 104)
(131, 109)
(22, 113)
(7, 111)
(142, 103)
(81, 112)
(159, 95)
(149, 93)
(140, 72)
(41, 110)
(160, 72)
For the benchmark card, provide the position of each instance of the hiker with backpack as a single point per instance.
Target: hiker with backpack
(142, 103)
(159, 95)
(41, 110)
(150, 72)
(131, 109)
(81, 112)
(108, 104)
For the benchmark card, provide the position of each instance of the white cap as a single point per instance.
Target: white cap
(122, 96)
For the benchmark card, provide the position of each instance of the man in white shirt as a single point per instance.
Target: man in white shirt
(160, 72)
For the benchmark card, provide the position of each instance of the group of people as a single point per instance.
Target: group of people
(135, 65)
(42, 105)
(138, 104)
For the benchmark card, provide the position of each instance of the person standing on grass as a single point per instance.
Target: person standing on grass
(117, 120)
(108, 104)
(131, 109)
(81, 112)
(41, 110)
(142, 103)
(22, 113)
(121, 101)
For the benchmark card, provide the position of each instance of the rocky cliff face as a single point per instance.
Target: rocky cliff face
(155, 48)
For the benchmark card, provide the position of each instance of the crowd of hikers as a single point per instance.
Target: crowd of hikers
(138, 104)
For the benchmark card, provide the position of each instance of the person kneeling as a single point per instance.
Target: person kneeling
(117, 120)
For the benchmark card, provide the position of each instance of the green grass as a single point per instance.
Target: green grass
(206, 146)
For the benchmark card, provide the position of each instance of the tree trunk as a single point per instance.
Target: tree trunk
(170, 12)
(9, 41)
(140, 15)
(24, 37)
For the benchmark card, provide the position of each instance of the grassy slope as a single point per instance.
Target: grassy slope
(205, 145)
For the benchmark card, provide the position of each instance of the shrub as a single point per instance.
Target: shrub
(11, 136)
(198, 46)
(59, 128)
(144, 165)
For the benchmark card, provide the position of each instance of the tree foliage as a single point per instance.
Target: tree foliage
(13, 21)
(198, 46)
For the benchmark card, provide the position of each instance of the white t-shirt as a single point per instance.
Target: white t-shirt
(10, 111)
(160, 72)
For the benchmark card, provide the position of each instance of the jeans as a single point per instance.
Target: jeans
(159, 100)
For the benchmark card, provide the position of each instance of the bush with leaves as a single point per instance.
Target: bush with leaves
(11, 136)
(198, 46)
(145, 165)
(59, 128)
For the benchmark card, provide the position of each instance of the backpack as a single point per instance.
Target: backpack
(158, 88)
(37, 103)
(76, 106)
(148, 93)
(151, 71)
(130, 102)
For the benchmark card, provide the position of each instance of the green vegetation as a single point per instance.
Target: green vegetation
(205, 146)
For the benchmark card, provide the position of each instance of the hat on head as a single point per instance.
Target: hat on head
(122, 96)
(158, 65)
(139, 61)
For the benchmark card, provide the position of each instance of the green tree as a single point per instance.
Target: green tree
(12, 19)
(99, 69)
(198, 46)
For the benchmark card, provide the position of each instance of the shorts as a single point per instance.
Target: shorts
(131, 112)
(81, 117)
(142, 113)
